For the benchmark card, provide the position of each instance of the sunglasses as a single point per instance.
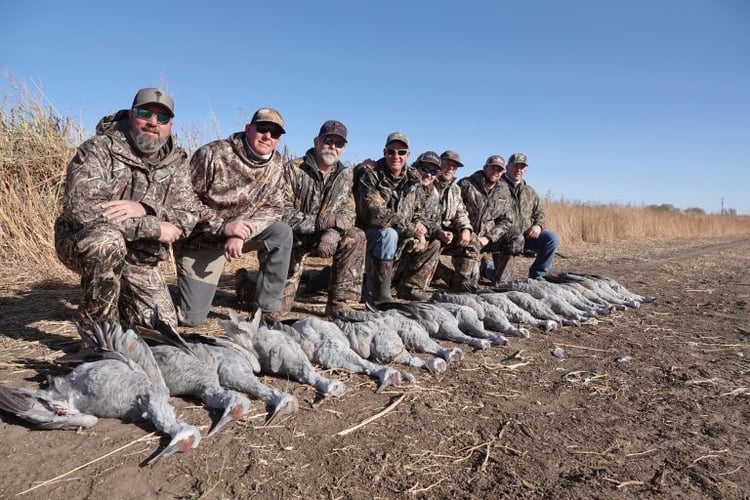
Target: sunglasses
(393, 152)
(330, 141)
(265, 129)
(146, 114)
(428, 170)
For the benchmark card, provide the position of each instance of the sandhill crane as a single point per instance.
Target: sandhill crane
(327, 345)
(437, 321)
(492, 316)
(376, 340)
(122, 381)
(469, 323)
(277, 353)
(514, 312)
(226, 366)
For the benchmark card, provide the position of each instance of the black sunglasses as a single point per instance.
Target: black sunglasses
(400, 152)
(428, 170)
(146, 114)
(330, 141)
(265, 129)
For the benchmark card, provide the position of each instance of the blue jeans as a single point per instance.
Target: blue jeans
(544, 247)
(382, 243)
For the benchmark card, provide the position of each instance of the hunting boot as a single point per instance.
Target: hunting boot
(244, 287)
(463, 275)
(292, 282)
(503, 268)
(442, 273)
(379, 280)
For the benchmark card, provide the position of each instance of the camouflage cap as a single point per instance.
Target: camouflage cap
(495, 160)
(397, 136)
(453, 156)
(518, 158)
(333, 127)
(153, 96)
(269, 115)
(428, 158)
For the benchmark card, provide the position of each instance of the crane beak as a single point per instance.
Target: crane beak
(182, 446)
(286, 407)
(235, 412)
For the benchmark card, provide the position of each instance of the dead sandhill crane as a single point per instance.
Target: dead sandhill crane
(122, 381)
(492, 317)
(440, 323)
(325, 344)
(226, 365)
(277, 353)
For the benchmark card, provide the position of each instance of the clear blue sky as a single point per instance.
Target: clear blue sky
(632, 102)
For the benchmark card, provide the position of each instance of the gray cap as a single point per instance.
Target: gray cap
(153, 96)
(397, 136)
(428, 158)
(453, 156)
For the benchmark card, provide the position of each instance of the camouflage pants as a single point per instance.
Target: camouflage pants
(415, 268)
(347, 268)
(116, 287)
(464, 259)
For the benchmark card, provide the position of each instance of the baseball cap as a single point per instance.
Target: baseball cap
(518, 158)
(333, 127)
(269, 115)
(428, 158)
(453, 156)
(153, 96)
(495, 160)
(397, 136)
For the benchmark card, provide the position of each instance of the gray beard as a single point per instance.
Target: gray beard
(145, 143)
(328, 158)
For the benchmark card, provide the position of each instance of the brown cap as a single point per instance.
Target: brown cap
(453, 156)
(269, 115)
(518, 158)
(153, 96)
(495, 160)
(397, 136)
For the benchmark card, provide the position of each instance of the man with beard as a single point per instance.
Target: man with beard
(127, 197)
(385, 196)
(240, 181)
(456, 233)
(319, 207)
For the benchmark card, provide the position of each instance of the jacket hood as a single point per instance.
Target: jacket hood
(116, 128)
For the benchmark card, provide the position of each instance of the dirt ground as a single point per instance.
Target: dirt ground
(509, 422)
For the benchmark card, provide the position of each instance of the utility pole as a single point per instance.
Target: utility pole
(722, 206)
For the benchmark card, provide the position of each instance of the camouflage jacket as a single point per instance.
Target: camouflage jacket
(309, 198)
(387, 201)
(427, 209)
(454, 216)
(107, 168)
(527, 210)
(233, 184)
(490, 212)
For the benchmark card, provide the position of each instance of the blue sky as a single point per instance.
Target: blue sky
(633, 102)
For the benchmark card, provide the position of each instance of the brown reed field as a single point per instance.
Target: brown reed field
(36, 144)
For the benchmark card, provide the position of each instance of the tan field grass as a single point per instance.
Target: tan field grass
(36, 144)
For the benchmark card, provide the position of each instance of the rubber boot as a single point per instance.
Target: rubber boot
(379, 279)
(503, 268)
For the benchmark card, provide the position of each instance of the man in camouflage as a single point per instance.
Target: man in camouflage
(528, 217)
(127, 197)
(488, 205)
(240, 181)
(456, 233)
(385, 197)
(319, 207)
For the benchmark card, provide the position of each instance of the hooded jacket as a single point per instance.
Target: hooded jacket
(108, 167)
(489, 210)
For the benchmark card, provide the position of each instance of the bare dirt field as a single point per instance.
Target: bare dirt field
(508, 422)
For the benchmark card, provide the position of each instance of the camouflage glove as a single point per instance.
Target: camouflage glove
(331, 222)
(328, 244)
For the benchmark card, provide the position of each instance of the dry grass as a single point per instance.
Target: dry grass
(36, 145)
